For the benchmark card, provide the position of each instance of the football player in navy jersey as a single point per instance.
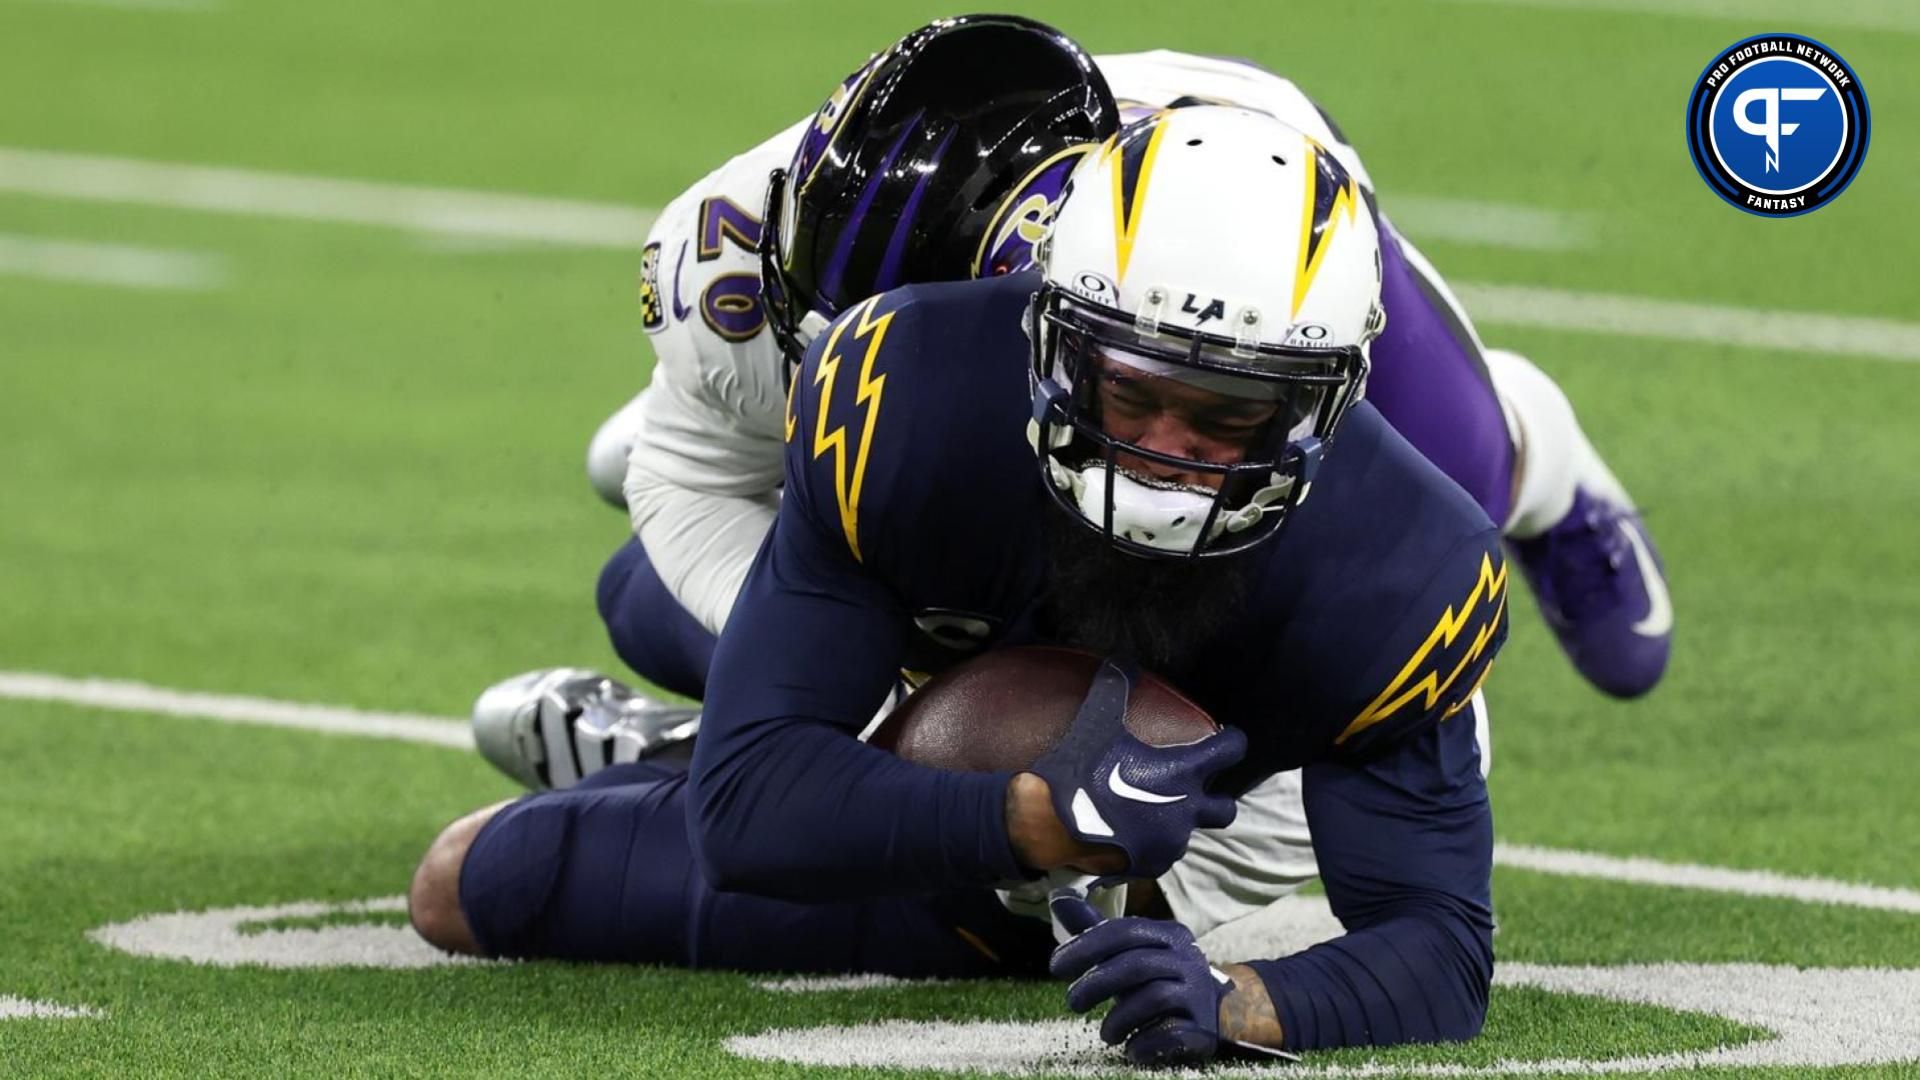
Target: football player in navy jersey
(1156, 447)
(940, 159)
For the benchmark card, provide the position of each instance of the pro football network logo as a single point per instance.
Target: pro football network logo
(1778, 125)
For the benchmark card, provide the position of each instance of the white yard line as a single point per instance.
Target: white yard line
(120, 265)
(125, 696)
(432, 210)
(1818, 1018)
(821, 984)
(14, 1008)
(1754, 16)
(460, 219)
(1433, 218)
(122, 696)
(1762, 883)
(528, 218)
(1811, 333)
(232, 937)
(185, 6)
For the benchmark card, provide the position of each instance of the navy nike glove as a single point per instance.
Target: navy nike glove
(1110, 788)
(1166, 995)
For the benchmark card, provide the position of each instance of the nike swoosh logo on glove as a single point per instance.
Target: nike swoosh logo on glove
(1119, 786)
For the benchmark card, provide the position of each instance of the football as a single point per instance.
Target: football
(1003, 709)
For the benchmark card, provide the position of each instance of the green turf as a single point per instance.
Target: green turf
(353, 475)
(148, 830)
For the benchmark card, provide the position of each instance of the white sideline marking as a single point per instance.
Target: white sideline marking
(14, 1008)
(1468, 221)
(139, 697)
(1678, 320)
(1881, 1010)
(220, 938)
(125, 696)
(1898, 15)
(313, 198)
(109, 264)
(1762, 883)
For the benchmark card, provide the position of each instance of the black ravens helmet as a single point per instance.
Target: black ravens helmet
(937, 161)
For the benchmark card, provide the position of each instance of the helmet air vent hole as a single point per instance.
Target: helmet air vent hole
(1278, 160)
(1181, 520)
(1193, 142)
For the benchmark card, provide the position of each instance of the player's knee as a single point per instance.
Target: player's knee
(649, 628)
(433, 900)
(610, 591)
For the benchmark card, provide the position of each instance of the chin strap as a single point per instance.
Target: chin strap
(1170, 518)
(1159, 517)
(812, 324)
(1165, 518)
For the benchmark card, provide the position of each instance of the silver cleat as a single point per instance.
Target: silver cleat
(551, 729)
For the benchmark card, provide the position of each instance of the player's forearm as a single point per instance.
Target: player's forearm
(701, 544)
(1419, 977)
(804, 812)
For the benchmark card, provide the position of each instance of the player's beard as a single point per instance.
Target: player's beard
(1160, 613)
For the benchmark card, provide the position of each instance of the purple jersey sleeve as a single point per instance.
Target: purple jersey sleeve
(785, 801)
(1405, 845)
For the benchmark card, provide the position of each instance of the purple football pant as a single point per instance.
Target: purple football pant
(1431, 384)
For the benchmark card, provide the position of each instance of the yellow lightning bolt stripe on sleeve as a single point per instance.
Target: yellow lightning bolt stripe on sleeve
(1422, 677)
(850, 476)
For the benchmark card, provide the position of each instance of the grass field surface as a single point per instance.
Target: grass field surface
(331, 453)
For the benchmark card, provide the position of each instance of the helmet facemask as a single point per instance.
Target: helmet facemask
(1173, 442)
(793, 317)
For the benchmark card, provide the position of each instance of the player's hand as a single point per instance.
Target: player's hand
(1166, 996)
(1108, 787)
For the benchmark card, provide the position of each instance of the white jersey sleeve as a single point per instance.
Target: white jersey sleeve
(719, 425)
(708, 432)
(1142, 82)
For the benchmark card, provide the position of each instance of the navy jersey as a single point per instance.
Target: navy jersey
(911, 533)
(1376, 611)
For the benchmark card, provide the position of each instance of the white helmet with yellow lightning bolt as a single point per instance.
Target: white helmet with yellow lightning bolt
(1212, 285)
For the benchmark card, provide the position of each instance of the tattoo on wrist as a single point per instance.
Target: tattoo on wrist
(1246, 1013)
